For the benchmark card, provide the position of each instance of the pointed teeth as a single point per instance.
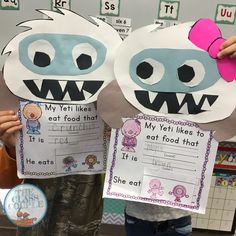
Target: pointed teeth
(87, 95)
(206, 106)
(49, 95)
(79, 85)
(184, 109)
(164, 108)
(180, 97)
(67, 97)
(152, 96)
(197, 98)
(63, 84)
(38, 83)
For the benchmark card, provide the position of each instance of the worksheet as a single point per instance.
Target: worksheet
(60, 140)
(161, 161)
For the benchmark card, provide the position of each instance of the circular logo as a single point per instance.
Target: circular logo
(25, 205)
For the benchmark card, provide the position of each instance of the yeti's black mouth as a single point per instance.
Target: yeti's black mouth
(63, 90)
(176, 103)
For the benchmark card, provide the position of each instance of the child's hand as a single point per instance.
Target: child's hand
(9, 125)
(228, 48)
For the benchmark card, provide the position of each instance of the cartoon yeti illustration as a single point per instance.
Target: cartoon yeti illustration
(155, 188)
(179, 191)
(69, 163)
(63, 59)
(130, 129)
(32, 112)
(91, 160)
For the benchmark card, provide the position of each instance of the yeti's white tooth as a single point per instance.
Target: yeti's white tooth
(206, 106)
(184, 109)
(79, 85)
(164, 108)
(67, 97)
(49, 95)
(38, 83)
(197, 98)
(152, 96)
(87, 95)
(63, 84)
(180, 97)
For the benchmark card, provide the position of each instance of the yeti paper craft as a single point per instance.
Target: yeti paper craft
(64, 59)
(172, 72)
(168, 74)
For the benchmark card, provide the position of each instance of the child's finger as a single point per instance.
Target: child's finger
(228, 42)
(14, 129)
(227, 51)
(7, 118)
(233, 55)
(5, 113)
(8, 125)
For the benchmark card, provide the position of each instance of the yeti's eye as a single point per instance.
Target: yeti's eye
(41, 53)
(84, 55)
(191, 73)
(150, 71)
(41, 59)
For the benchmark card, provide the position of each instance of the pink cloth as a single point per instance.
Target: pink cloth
(206, 35)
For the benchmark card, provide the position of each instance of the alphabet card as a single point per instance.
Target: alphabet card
(225, 14)
(60, 3)
(161, 161)
(169, 10)
(110, 7)
(60, 140)
(9, 5)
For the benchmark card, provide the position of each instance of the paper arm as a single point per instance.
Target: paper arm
(224, 129)
(112, 105)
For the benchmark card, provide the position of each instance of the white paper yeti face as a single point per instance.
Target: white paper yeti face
(161, 72)
(64, 59)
